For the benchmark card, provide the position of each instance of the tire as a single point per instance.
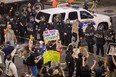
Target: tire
(38, 6)
(105, 26)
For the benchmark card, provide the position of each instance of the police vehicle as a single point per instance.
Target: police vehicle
(73, 13)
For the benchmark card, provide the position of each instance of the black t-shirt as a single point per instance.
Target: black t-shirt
(85, 72)
(78, 64)
(46, 75)
(69, 57)
(51, 47)
(57, 75)
(98, 72)
(33, 56)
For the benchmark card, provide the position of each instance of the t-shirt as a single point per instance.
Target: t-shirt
(78, 64)
(98, 72)
(7, 50)
(46, 75)
(57, 75)
(33, 56)
(85, 72)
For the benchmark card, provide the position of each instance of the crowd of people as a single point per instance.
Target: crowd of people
(71, 35)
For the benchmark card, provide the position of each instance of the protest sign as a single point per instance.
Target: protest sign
(111, 49)
(51, 35)
(51, 55)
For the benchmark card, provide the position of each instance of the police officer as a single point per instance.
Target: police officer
(89, 34)
(2, 8)
(42, 26)
(23, 28)
(15, 25)
(110, 35)
(2, 27)
(67, 32)
(59, 25)
(100, 41)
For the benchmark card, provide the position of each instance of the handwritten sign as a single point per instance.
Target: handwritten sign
(112, 49)
(51, 35)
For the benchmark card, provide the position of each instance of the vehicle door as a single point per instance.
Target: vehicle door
(85, 17)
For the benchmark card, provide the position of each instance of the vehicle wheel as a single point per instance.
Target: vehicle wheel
(38, 6)
(104, 25)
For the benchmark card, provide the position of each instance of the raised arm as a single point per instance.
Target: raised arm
(93, 65)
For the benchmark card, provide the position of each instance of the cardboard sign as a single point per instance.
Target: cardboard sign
(51, 35)
(111, 49)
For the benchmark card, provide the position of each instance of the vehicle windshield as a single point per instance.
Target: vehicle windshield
(46, 15)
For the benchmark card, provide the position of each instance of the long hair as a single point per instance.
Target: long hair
(70, 48)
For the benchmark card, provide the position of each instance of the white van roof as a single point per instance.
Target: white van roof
(59, 10)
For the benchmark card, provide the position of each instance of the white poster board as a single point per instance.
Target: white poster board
(51, 35)
(111, 49)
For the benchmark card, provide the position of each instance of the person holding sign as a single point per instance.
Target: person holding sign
(111, 59)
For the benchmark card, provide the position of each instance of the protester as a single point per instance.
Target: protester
(1, 65)
(58, 72)
(10, 35)
(33, 60)
(100, 70)
(75, 27)
(78, 64)
(8, 50)
(11, 70)
(25, 53)
(85, 70)
(70, 60)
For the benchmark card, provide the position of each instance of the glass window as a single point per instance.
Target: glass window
(73, 15)
(62, 16)
(47, 16)
(85, 15)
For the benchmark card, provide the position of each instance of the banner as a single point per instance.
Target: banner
(111, 49)
(51, 55)
(51, 35)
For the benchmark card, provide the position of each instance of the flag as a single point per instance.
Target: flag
(70, 1)
(51, 55)
(54, 3)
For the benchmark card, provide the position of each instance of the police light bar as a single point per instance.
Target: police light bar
(64, 5)
(75, 7)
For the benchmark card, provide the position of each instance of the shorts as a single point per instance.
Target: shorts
(34, 70)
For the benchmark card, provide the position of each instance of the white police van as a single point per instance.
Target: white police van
(73, 13)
